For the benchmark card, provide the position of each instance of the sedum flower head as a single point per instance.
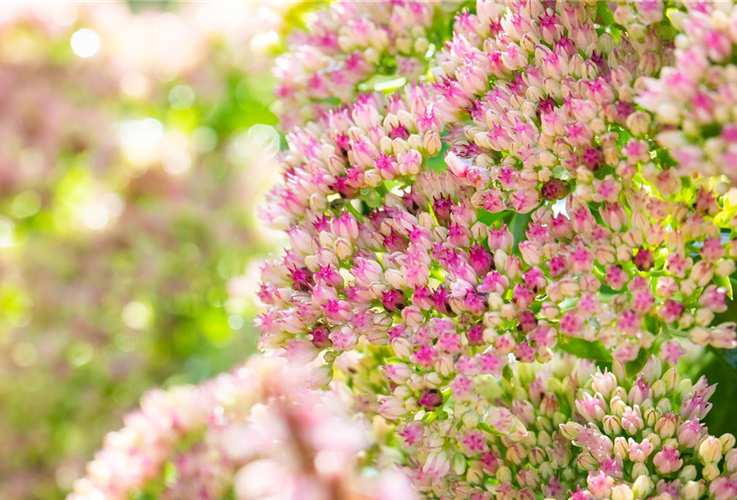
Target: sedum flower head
(691, 98)
(446, 235)
(352, 47)
(254, 433)
(646, 439)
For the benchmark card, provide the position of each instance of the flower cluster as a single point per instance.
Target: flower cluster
(693, 99)
(647, 439)
(257, 431)
(515, 205)
(502, 440)
(565, 430)
(553, 117)
(356, 46)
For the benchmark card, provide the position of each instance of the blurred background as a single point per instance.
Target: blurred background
(135, 141)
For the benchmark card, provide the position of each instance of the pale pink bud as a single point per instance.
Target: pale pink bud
(600, 484)
(391, 408)
(320, 377)
(689, 433)
(437, 464)
(591, 408)
(504, 422)
(667, 461)
(702, 273)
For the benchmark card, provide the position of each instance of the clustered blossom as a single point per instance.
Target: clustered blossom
(501, 439)
(647, 439)
(515, 205)
(257, 431)
(552, 111)
(693, 99)
(566, 430)
(347, 44)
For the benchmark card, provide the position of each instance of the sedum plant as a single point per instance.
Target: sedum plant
(497, 261)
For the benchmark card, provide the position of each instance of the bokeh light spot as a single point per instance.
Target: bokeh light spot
(7, 232)
(85, 43)
(26, 204)
(177, 161)
(181, 97)
(235, 321)
(137, 315)
(95, 216)
(25, 355)
(142, 133)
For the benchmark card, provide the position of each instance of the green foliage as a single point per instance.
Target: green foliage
(586, 349)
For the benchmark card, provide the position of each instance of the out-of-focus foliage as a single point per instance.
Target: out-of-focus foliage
(129, 170)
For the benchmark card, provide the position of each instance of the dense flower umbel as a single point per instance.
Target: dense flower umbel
(152, 436)
(347, 44)
(256, 431)
(427, 269)
(565, 430)
(387, 250)
(693, 100)
(645, 439)
(501, 439)
(551, 104)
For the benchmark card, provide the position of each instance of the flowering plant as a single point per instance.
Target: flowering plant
(495, 257)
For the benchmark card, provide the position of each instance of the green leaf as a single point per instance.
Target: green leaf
(722, 371)
(605, 14)
(437, 163)
(487, 428)
(725, 282)
(491, 219)
(586, 349)
(518, 226)
(507, 373)
(430, 417)
(634, 367)
(728, 357)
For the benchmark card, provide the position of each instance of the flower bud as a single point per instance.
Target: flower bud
(688, 473)
(475, 474)
(642, 486)
(667, 461)
(710, 472)
(730, 460)
(640, 470)
(570, 430)
(586, 462)
(622, 492)
(604, 383)
(728, 442)
(617, 406)
(658, 389)
(692, 490)
(672, 379)
(611, 425)
(504, 474)
(459, 463)
(666, 426)
(710, 450)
